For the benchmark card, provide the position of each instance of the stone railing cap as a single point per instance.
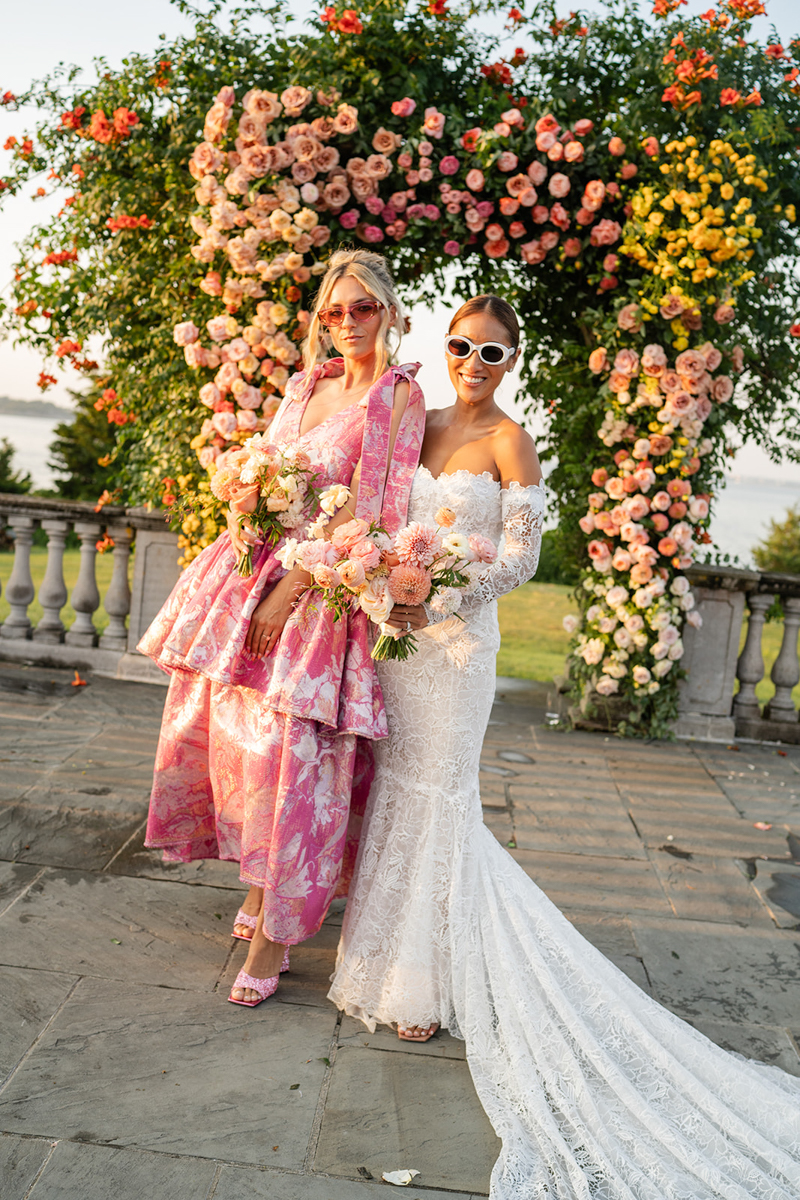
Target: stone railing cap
(43, 508)
(732, 579)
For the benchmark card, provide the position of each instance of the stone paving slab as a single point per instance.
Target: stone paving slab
(20, 1161)
(167, 1070)
(769, 1044)
(136, 860)
(85, 1172)
(618, 885)
(30, 1000)
(74, 920)
(588, 822)
(64, 837)
(704, 970)
(392, 1111)
(614, 938)
(706, 888)
(236, 1183)
(441, 1045)
(14, 879)
(778, 885)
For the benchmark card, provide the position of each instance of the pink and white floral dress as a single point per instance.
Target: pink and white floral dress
(268, 761)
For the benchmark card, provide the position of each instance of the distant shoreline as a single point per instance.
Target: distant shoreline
(43, 409)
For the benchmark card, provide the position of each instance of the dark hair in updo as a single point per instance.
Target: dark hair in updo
(496, 307)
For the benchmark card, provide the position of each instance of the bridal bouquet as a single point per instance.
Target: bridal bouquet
(271, 487)
(362, 566)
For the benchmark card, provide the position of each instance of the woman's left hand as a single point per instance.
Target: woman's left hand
(407, 617)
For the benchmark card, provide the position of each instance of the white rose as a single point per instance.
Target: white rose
(676, 651)
(334, 497)
(679, 585)
(375, 600)
(287, 555)
(641, 675)
(317, 528)
(662, 668)
(687, 602)
(694, 619)
(448, 601)
(606, 686)
(616, 596)
(659, 650)
(640, 640)
(652, 687)
(570, 622)
(593, 651)
(593, 612)
(457, 545)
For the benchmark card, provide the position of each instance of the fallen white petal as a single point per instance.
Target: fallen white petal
(401, 1178)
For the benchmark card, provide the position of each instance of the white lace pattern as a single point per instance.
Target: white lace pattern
(597, 1092)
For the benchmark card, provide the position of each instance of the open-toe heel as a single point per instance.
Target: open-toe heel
(264, 987)
(243, 918)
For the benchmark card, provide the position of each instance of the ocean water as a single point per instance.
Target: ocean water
(742, 512)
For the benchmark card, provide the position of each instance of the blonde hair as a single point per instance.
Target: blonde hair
(372, 273)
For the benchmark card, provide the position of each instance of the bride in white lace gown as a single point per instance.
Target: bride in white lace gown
(595, 1090)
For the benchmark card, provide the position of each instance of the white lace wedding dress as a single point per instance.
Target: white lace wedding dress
(595, 1089)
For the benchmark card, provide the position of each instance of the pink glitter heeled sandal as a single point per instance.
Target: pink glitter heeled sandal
(263, 987)
(243, 918)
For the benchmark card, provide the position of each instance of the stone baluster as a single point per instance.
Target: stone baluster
(117, 602)
(750, 668)
(20, 590)
(786, 670)
(53, 591)
(85, 597)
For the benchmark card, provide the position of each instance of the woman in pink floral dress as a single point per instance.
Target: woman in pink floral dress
(265, 748)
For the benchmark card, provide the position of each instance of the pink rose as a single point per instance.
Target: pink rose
(549, 240)
(449, 165)
(724, 314)
(573, 152)
(545, 140)
(366, 552)
(433, 123)
(587, 523)
(594, 194)
(661, 501)
(224, 423)
(621, 560)
(599, 476)
(372, 234)
(572, 247)
(660, 521)
(349, 219)
(532, 252)
(667, 546)
(352, 573)
(556, 153)
(638, 507)
(246, 419)
(497, 249)
(507, 161)
(615, 487)
(404, 107)
(616, 147)
(559, 185)
(671, 307)
(722, 388)
(651, 147)
(226, 376)
(654, 360)
(629, 170)
(598, 359)
(611, 262)
(185, 333)
(641, 574)
(518, 184)
(606, 233)
(737, 359)
(528, 197)
(452, 248)
(475, 180)
(210, 395)
(537, 173)
(547, 124)
(540, 214)
(660, 444)
(627, 362)
(583, 127)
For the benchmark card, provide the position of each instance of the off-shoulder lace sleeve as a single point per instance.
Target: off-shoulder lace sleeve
(523, 511)
(523, 516)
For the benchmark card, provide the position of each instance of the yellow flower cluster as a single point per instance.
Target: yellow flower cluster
(696, 236)
(197, 531)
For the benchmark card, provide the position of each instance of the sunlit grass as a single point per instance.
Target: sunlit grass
(534, 641)
(71, 565)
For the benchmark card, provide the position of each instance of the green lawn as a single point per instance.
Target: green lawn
(534, 640)
(71, 563)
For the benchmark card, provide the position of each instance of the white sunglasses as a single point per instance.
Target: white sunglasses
(494, 354)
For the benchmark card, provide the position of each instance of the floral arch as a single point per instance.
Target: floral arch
(628, 187)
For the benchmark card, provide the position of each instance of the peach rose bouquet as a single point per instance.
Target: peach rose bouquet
(270, 487)
(361, 566)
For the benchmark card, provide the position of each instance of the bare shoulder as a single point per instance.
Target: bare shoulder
(515, 454)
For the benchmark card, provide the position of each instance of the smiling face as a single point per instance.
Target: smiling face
(355, 340)
(474, 380)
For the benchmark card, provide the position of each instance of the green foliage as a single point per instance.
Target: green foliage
(11, 481)
(556, 566)
(78, 447)
(779, 550)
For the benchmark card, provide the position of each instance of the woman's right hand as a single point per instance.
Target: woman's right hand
(242, 534)
(269, 618)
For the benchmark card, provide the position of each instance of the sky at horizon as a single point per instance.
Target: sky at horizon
(39, 35)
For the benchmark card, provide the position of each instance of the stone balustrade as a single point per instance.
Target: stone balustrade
(708, 707)
(130, 607)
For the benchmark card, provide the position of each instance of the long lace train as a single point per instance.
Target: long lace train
(597, 1092)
